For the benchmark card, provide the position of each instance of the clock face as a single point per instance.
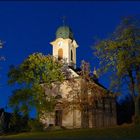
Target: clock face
(60, 43)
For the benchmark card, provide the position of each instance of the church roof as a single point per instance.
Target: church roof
(64, 32)
(93, 78)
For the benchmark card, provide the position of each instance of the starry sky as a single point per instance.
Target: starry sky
(28, 27)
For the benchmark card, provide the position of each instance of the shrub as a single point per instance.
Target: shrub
(137, 121)
(35, 125)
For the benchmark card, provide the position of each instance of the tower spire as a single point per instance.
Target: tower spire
(95, 76)
(95, 72)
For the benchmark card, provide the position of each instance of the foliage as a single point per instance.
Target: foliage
(120, 54)
(36, 73)
(18, 123)
(36, 69)
(35, 125)
(86, 82)
(22, 98)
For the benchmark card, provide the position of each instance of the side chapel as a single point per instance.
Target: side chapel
(66, 114)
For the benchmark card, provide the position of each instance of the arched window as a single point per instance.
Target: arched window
(71, 55)
(60, 54)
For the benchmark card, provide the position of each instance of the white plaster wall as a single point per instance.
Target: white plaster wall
(78, 118)
(48, 118)
(72, 119)
(67, 88)
(67, 119)
(67, 45)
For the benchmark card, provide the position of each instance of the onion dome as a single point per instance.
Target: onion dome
(64, 32)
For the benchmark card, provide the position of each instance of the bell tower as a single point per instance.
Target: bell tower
(64, 46)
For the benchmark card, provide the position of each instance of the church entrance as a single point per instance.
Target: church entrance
(58, 118)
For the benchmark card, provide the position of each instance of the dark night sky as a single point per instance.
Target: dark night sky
(28, 27)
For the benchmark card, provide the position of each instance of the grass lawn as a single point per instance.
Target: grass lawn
(120, 132)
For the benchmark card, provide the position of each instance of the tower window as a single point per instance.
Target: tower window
(71, 55)
(60, 54)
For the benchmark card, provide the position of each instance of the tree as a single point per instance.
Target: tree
(32, 76)
(120, 54)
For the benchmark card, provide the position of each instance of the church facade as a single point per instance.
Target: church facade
(73, 110)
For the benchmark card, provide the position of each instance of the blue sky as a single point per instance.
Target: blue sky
(28, 27)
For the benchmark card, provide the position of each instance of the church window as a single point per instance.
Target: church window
(96, 104)
(60, 54)
(110, 103)
(71, 55)
(103, 101)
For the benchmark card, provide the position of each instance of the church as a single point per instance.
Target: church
(78, 106)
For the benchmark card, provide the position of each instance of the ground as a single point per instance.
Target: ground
(115, 133)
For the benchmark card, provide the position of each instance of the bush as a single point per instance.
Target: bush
(15, 122)
(137, 121)
(35, 125)
(18, 123)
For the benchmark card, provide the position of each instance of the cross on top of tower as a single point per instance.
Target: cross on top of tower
(63, 20)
